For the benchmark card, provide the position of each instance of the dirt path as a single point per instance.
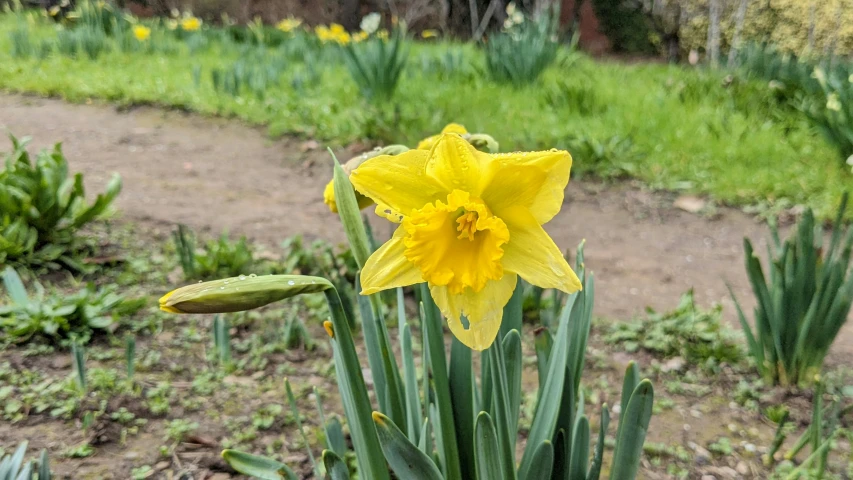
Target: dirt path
(218, 174)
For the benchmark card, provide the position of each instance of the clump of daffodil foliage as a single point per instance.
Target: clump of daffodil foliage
(470, 224)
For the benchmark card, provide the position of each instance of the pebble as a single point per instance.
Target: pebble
(131, 455)
(742, 468)
(708, 477)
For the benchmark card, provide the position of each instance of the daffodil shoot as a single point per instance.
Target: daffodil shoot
(470, 224)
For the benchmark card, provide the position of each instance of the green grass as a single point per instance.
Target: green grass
(688, 131)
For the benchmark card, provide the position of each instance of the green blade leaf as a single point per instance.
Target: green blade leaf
(547, 410)
(354, 393)
(15, 287)
(446, 438)
(350, 214)
(336, 468)
(406, 460)
(580, 449)
(257, 466)
(633, 425)
(598, 456)
(543, 462)
(486, 450)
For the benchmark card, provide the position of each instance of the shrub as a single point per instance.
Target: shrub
(520, 55)
(57, 315)
(803, 301)
(42, 209)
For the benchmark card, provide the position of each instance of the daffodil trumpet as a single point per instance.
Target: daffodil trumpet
(470, 224)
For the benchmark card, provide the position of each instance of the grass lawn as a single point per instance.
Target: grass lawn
(671, 127)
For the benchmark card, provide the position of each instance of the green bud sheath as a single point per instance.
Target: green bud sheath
(238, 294)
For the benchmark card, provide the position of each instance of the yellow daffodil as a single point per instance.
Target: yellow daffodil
(191, 24)
(289, 24)
(470, 224)
(429, 34)
(352, 164)
(429, 142)
(141, 32)
(382, 34)
(360, 36)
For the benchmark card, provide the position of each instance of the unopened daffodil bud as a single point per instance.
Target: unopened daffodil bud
(238, 294)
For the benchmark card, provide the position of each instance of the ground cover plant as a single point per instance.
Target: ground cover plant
(43, 209)
(702, 142)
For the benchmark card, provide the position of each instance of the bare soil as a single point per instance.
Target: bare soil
(214, 174)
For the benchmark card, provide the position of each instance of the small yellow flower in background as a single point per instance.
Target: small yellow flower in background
(141, 32)
(429, 34)
(470, 224)
(54, 10)
(334, 33)
(191, 24)
(429, 142)
(833, 103)
(289, 24)
(383, 34)
(360, 36)
(322, 33)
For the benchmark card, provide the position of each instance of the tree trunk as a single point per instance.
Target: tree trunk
(740, 17)
(713, 46)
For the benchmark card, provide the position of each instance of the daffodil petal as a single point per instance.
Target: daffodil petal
(483, 310)
(512, 186)
(532, 254)
(388, 267)
(556, 164)
(398, 182)
(457, 165)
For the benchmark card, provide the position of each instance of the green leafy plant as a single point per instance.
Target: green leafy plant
(520, 55)
(220, 257)
(12, 467)
(42, 209)
(699, 337)
(375, 64)
(59, 316)
(802, 302)
(614, 157)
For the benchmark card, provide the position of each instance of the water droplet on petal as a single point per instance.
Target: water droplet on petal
(291, 282)
(252, 276)
(242, 277)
